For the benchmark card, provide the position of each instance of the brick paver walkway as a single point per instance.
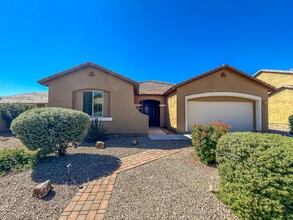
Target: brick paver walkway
(91, 202)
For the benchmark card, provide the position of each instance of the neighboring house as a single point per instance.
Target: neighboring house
(281, 100)
(38, 98)
(126, 106)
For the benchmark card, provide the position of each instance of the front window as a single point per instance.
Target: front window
(93, 103)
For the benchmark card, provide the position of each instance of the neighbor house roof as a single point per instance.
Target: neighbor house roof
(153, 87)
(46, 81)
(29, 98)
(273, 71)
(225, 66)
(284, 87)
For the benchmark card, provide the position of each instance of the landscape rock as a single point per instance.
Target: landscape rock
(100, 145)
(134, 142)
(213, 188)
(3, 139)
(42, 189)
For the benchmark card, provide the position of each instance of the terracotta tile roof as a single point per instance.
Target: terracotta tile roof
(35, 97)
(268, 86)
(273, 71)
(153, 87)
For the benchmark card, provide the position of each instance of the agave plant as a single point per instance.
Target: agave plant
(97, 131)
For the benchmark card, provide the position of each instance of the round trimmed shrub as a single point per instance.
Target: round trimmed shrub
(10, 111)
(50, 130)
(256, 175)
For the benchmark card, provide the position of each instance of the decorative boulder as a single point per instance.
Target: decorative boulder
(100, 145)
(134, 142)
(3, 139)
(213, 188)
(42, 189)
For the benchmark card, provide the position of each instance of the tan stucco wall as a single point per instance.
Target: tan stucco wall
(281, 106)
(233, 82)
(66, 92)
(276, 79)
(161, 99)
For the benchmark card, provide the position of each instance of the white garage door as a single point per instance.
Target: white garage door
(237, 114)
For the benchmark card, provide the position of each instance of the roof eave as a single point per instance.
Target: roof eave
(257, 73)
(268, 86)
(289, 72)
(280, 89)
(45, 81)
(169, 91)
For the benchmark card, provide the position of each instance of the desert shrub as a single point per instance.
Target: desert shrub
(205, 139)
(16, 159)
(50, 130)
(256, 175)
(97, 131)
(291, 124)
(10, 111)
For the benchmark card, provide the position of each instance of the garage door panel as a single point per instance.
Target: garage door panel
(237, 114)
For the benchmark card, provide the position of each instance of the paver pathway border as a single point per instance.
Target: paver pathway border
(91, 202)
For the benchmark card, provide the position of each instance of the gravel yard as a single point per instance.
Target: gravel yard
(174, 187)
(16, 200)
(8, 141)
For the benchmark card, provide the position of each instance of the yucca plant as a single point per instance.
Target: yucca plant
(97, 131)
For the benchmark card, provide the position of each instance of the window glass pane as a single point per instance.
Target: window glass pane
(88, 103)
(98, 103)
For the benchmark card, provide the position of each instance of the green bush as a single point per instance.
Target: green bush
(16, 159)
(50, 129)
(291, 124)
(10, 111)
(205, 139)
(256, 175)
(97, 131)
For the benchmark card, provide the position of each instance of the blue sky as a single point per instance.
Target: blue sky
(155, 39)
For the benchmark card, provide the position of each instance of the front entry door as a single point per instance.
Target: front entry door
(152, 109)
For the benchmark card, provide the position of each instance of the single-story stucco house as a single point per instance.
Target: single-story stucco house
(126, 106)
(281, 100)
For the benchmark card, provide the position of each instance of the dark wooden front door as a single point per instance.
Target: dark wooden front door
(152, 109)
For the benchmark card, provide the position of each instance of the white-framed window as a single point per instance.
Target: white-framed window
(92, 103)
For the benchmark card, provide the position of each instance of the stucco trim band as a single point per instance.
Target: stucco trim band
(257, 100)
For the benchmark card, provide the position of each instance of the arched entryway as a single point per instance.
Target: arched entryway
(152, 109)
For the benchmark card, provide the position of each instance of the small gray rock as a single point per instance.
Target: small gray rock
(134, 142)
